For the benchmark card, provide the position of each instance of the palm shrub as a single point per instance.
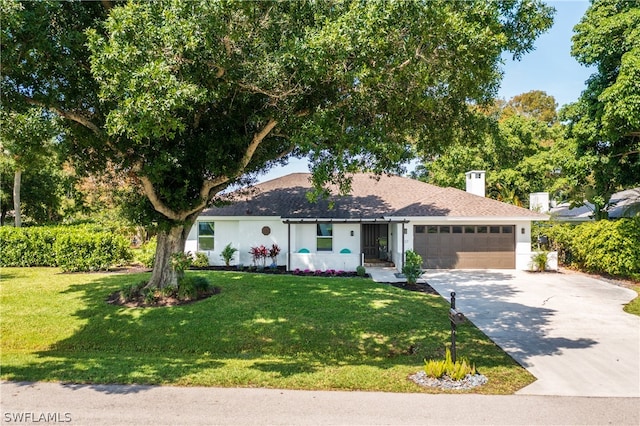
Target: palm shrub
(227, 254)
(412, 268)
(539, 260)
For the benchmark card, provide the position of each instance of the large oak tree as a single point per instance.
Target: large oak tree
(190, 97)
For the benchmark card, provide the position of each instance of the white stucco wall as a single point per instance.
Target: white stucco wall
(303, 236)
(243, 233)
(246, 232)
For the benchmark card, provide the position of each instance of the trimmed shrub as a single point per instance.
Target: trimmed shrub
(612, 247)
(28, 246)
(85, 251)
(146, 254)
(603, 246)
(73, 248)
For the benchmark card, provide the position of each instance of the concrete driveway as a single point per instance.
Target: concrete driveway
(567, 329)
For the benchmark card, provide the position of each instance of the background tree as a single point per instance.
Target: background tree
(26, 143)
(606, 119)
(43, 194)
(522, 153)
(533, 104)
(197, 96)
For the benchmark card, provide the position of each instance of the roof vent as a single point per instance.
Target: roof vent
(475, 182)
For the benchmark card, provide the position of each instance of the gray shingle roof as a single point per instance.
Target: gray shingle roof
(370, 198)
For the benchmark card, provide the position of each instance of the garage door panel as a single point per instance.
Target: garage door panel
(466, 247)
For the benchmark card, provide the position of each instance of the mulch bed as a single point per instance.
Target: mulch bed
(422, 288)
(160, 301)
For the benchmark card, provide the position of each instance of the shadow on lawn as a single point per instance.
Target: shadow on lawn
(262, 324)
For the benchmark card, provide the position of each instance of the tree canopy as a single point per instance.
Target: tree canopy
(25, 144)
(606, 119)
(525, 151)
(188, 98)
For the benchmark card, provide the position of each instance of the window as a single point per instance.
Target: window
(482, 229)
(205, 236)
(445, 229)
(469, 229)
(419, 229)
(494, 229)
(507, 229)
(457, 229)
(432, 229)
(324, 236)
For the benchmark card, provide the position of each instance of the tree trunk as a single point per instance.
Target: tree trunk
(17, 178)
(169, 243)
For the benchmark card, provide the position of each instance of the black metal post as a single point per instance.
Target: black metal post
(454, 329)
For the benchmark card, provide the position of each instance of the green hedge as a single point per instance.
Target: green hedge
(604, 246)
(72, 248)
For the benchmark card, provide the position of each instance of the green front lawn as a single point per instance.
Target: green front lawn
(633, 307)
(276, 331)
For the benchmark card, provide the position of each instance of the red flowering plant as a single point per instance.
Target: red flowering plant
(273, 254)
(258, 254)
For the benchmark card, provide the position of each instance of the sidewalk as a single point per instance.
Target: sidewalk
(99, 405)
(387, 275)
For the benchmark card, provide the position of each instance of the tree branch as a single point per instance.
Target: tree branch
(256, 89)
(80, 119)
(624, 154)
(255, 142)
(209, 185)
(156, 202)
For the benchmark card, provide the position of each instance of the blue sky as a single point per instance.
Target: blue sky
(550, 68)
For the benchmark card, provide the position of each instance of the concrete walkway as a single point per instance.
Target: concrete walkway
(567, 329)
(97, 405)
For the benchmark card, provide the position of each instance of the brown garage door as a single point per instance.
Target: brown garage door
(465, 246)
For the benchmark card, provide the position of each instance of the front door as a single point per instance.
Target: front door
(375, 241)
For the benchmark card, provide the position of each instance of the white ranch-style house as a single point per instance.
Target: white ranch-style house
(377, 222)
